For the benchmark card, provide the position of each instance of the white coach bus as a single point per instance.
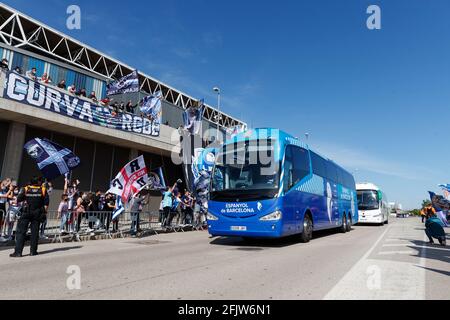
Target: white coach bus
(373, 205)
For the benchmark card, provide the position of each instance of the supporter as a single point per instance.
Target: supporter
(72, 89)
(46, 79)
(122, 107)
(79, 210)
(47, 186)
(167, 206)
(4, 189)
(198, 213)
(14, 209)
(94, 208)
(106, 101)
(130, 107)
(187, 201)
(136, 204)
(116, 220)
(81, 93)
(93, 97)
(435, 229)
(110, 205)
(86, 203)
(63, 213)
(62, 84)
(161, 211)
(31, 74)
(115, 109)
(4, 65)
(427, 212)
(18, 70)
(102, 209)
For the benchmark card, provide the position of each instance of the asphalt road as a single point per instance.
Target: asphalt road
(389, 262)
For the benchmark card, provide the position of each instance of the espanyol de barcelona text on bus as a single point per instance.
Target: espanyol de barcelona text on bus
(268, 184)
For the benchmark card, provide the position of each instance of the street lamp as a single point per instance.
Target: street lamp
(217, 90)
(307, 136)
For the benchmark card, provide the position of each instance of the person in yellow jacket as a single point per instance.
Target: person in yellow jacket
(428, 211)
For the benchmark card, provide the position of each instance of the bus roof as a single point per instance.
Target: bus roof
(267, 133)
(367, 186)
(282, 136)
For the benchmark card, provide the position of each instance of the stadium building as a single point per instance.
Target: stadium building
(27, 43)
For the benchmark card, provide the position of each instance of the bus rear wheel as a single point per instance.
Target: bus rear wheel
(306, 235)
(343, 228)
(349, 223)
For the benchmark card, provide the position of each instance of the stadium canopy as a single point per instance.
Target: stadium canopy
(22, 32)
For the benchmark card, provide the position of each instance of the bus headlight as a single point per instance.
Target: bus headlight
(275, 216)
(211, 217)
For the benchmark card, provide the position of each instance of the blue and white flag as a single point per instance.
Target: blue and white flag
(157, 181)
(193, 118)
(234, 131)
(127, 84)
(119, 208)
(52, 159)
(151, 106)
(446, 189)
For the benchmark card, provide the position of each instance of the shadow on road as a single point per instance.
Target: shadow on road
(260, 244)
(41, 253)
(445, 273)
(430, 252)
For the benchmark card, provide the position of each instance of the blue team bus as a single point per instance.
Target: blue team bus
(268, 184)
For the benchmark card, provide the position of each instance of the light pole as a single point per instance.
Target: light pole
(307, 137)
(355, 172)
(217, 90)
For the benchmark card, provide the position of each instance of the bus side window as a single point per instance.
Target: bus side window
(331, 171)
(288, 169)
(296, 166)
(319, 165)
(340, 179)
(301, 164)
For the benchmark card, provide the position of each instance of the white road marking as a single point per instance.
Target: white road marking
(386, 253)
(393, 245)
(397, 279)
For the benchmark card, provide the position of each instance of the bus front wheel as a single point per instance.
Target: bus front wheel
(306, 235)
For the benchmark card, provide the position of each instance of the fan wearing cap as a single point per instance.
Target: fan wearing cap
(5, 65)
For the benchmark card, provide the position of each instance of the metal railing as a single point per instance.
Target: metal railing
(77, 226)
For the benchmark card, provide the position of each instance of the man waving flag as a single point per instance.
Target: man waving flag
(130, 179)
(52, 159)
(192, 118)
(151, 106)
(119, 209)
(126, 84)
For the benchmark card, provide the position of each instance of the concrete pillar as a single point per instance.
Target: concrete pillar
(134, 153)
(14, 150)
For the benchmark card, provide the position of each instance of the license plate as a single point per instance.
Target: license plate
(238, 228)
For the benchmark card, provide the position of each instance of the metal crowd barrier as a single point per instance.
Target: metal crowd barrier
(74, 227)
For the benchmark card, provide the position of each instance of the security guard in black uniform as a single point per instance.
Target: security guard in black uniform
(37, 201)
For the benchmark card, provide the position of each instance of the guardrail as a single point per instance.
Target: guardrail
(75, 227)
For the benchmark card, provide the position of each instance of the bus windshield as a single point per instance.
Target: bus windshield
(368, 200)
(246, 171)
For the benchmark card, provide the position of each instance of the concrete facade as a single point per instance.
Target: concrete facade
(22, 118)
(14, 150)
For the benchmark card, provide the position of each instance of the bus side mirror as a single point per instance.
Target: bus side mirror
(380, 196)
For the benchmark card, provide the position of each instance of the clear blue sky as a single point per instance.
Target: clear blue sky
(378, 102)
